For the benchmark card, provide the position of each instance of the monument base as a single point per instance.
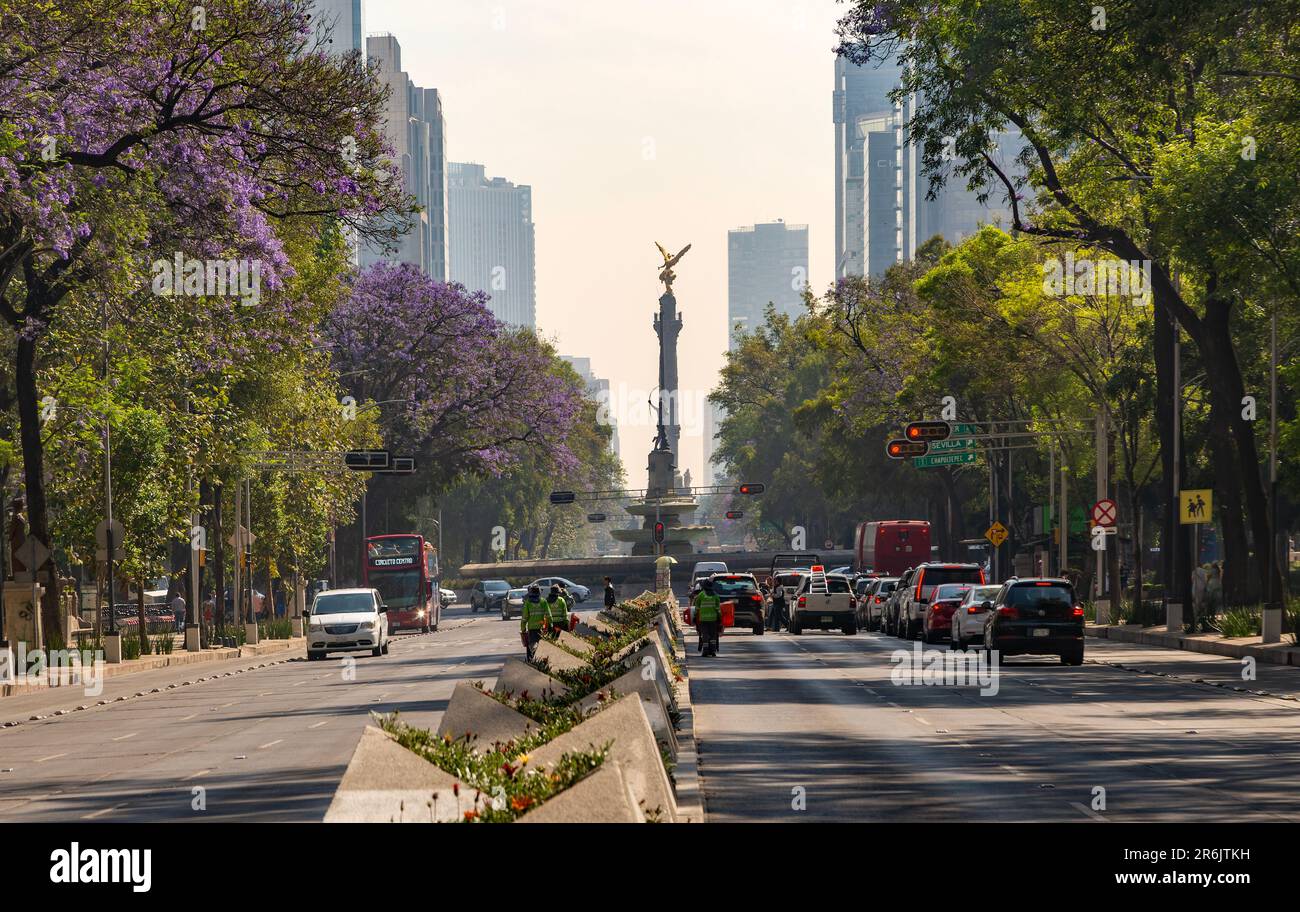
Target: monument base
(113, 648)
(23, 615)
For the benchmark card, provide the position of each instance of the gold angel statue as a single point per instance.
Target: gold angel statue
(670, 260)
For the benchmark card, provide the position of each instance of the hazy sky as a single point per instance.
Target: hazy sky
(637, 121)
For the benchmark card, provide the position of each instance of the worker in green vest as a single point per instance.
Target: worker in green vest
(708, 617)
(557, 610)
(531, 619)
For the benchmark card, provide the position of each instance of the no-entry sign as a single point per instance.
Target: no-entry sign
(1104, 513)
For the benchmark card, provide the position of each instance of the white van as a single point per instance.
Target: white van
(703, 570)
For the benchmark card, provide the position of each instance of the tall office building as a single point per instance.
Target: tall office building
(344, 21)
(881, 211)
(416, 130)
(491, 241)
(713, 418)
(598, 392)
(766, 263)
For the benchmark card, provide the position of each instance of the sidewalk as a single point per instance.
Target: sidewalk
(176, 660)
(1284, 653)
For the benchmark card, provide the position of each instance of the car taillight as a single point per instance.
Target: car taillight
(1078, 611)
(1008, 611)
(879, 599)
(803, 600)
(853, 601)
(973, 609)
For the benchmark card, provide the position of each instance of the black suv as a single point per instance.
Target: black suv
(489, 595)
(1035, 617)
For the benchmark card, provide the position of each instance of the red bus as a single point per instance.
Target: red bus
(891, 546)
(404, 568)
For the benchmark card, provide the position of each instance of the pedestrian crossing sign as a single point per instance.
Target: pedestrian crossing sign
(1195, 506)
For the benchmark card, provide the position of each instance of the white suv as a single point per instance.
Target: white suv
(346, 620)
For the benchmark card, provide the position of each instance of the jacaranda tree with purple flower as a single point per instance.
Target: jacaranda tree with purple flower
(137, 130)
(460, 390)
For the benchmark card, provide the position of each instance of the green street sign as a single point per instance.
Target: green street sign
(1078, 522)
(944, 459)
(964, 430)
(959, 445)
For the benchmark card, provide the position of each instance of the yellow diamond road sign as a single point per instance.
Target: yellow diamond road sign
(997, 534)
(1195, 506)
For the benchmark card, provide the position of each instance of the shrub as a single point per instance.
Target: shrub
(500, 772)
(1239, 622)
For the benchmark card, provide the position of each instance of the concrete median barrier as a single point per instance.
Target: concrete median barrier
(624, 726)
(518, 677)
(385, 782)
(472, 712)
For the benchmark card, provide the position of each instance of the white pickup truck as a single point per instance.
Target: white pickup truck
(823, 602)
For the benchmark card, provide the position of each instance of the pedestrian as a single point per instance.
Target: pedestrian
(708, 618)
(531, 620)
(611, 598)
(778, 608)
(178, 610)
(557, 610)
(1213, 595)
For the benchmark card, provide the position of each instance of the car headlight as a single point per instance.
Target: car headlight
(316, 624)
(367, 625)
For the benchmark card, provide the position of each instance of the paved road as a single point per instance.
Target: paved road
(269, 744)
(817, 718)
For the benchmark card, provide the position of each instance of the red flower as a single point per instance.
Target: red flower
(471, 815)
(455, 789)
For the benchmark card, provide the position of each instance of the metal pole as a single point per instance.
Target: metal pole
(1063, 561)
(365, 489)
(1011, 558)
(1051, 500)
(237, 589)
(1174, 586)
(108, 479)
(1278, 561)
(993, 551)
(1100, 590)
(4, 571)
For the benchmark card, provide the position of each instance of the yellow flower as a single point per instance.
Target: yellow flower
(523, 758)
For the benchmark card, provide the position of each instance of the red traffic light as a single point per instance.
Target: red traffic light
(754, 488)
(659, 532)
(927, 430)
(735, 514)
(905, 449)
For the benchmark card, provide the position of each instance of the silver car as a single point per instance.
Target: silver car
(968, 618)
(347, 620)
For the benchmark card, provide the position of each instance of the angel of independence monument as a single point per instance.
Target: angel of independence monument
(666, 499)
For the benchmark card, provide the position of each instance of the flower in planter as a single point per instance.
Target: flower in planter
(471, 816)
(521, 802)
(523, 759)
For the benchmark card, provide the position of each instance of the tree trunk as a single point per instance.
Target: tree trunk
(1228, 389)
(1236, 555)
(33, 450)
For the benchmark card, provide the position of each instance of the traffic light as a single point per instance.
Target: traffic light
(927, 430)
(903, 449)
(563, 497)
(735, 514)
(659, 533)
(753, 488)
(366, 460)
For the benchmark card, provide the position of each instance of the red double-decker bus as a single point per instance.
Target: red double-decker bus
(404, 568)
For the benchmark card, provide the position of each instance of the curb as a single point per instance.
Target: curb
(1275, 654)
(172, 660)
(686, 774)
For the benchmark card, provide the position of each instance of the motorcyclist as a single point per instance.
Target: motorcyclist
(708, 617)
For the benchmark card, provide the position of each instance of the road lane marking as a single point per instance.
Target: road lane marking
(202, 772)
(103, 811)
(1011, 769)
(52, 757)
(188, 718)
(922, 721)
(320, 723)
(270, 744)
(299, 682)
(1089, 811)
(124, 737)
